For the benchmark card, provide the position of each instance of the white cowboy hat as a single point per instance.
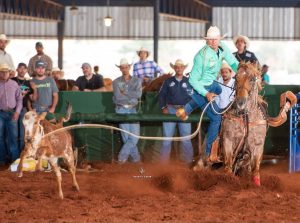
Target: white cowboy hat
(4, 67)
(123, 61)
(245, 38)
(143, 49)
(3, 37)
(213, 33)
(178, 62)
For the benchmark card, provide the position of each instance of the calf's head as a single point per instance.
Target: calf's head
(32, 126)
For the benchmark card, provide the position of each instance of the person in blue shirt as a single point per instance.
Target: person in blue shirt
(172, 95)
(264, 72)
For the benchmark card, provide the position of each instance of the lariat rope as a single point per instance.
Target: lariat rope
(77, 126)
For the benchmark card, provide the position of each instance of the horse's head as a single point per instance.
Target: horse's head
(248, 78)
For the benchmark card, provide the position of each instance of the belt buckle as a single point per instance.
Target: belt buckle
(126, 106)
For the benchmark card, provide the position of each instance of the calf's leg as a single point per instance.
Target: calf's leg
(58, 176)
(72, 169)
(23, 155)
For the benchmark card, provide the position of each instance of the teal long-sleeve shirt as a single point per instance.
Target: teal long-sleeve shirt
(207, 65)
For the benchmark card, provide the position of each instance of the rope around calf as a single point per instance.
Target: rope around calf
(160, 138)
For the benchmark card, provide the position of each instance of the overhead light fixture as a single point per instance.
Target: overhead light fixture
(74, 8)
(108, 19)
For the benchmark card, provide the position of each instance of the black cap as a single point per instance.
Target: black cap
(39, 44)
(265, 65)
(22, 65)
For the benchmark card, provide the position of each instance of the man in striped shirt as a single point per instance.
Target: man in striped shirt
(145, 69)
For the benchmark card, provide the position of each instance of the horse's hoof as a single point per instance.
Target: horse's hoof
(199, 166)
(256, 181)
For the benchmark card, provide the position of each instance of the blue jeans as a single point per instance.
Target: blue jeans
(21, 129)
(215, 119)
(168, 131)
(9, 131)
(129, 147)
(40, 109)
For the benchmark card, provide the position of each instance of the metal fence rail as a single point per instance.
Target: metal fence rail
(294, 159)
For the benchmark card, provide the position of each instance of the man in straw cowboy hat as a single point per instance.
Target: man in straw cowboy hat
(10, 107)
(4, 56)
(242, 44)
(207, 64)
(127, 91)
(227, 84)
(173, 94)
(145, 69)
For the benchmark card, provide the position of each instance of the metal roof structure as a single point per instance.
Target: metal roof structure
(200, 11)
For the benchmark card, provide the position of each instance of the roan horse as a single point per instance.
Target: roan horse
(245, 124)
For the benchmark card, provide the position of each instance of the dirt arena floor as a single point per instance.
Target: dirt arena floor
(151, 193)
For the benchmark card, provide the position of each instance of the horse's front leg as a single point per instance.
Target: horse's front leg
(228, 154)
(256, 160)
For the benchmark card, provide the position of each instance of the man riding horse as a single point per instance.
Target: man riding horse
(207, 64)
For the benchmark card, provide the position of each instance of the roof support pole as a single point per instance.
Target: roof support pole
(155, 29)
(60, 38)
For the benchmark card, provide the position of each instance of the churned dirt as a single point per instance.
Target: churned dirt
(151, 193)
